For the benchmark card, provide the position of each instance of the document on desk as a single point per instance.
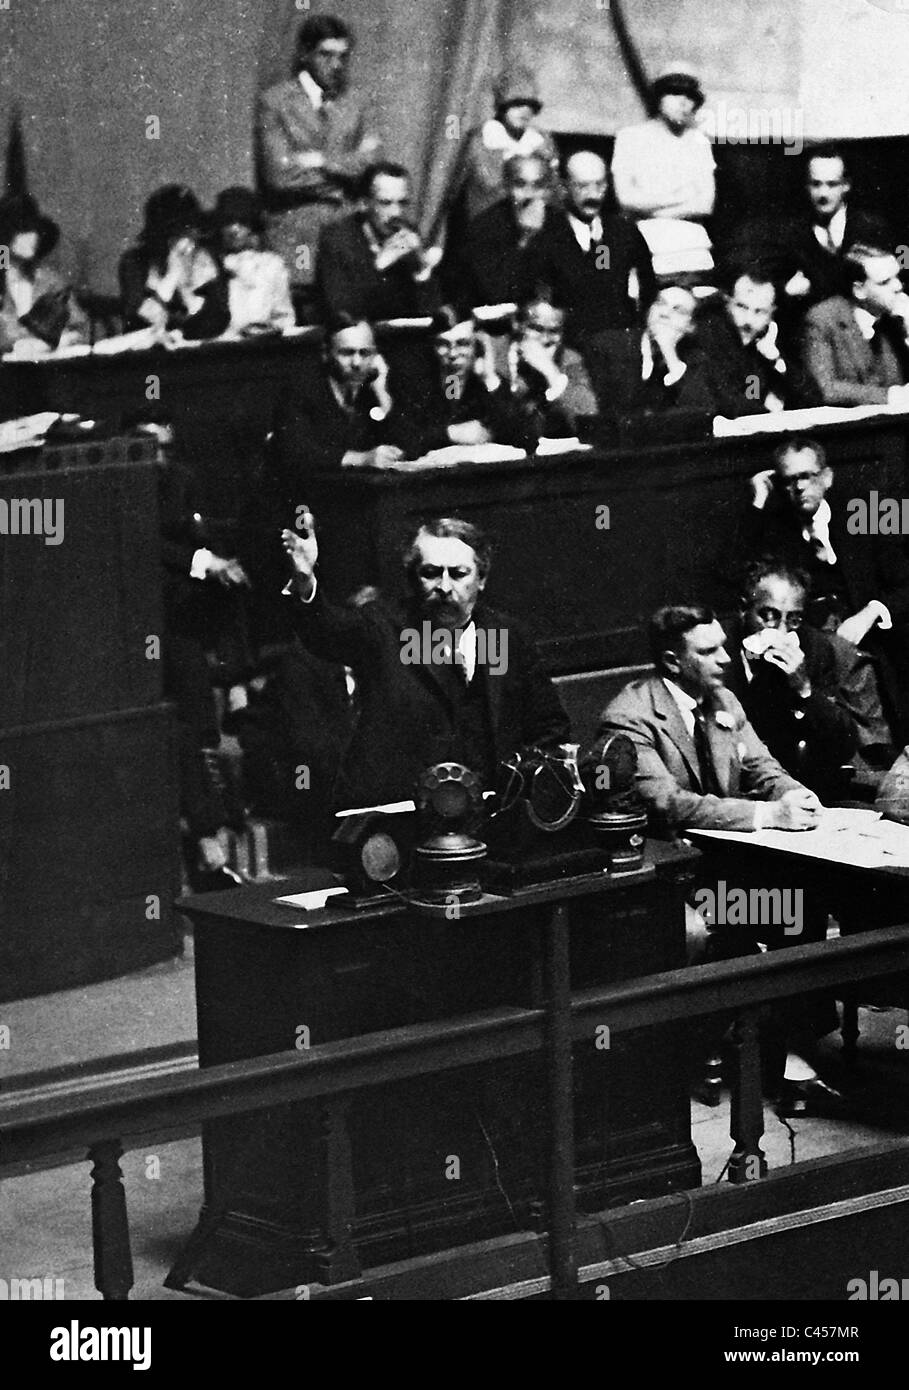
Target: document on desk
(855, 837)
(795, 421)
(454, 454)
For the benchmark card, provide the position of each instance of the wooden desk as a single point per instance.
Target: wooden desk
(284, 1189)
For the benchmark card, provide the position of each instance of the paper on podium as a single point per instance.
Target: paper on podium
(312, 901)
(855, 837)
(390, 808)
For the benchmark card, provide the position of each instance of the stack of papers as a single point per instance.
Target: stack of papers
(856, 837)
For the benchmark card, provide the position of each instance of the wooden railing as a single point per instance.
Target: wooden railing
(104, 1120)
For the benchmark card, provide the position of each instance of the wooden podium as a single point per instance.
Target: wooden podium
(314, 1193)
(89, 847)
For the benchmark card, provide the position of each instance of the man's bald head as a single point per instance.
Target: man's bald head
(586, 182)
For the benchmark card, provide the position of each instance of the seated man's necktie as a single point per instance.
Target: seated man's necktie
(710, 782)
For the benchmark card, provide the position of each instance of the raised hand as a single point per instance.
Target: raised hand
(303, 549)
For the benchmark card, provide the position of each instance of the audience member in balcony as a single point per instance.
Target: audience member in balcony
(643, 372)
(594, 263)
(38, 310)
(473, 405)
(170, 280)
(258, 281)
(316, 138)
(807, 253)
(735, 363)
(859, 581)
(340, 413)
(479, 175)
(664, 167)
(857, 347)
(548, 381)
(786, 675)
(486, 267)
(373, 264)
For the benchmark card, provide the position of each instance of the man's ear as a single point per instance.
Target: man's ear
(827, 476)
(670, 661)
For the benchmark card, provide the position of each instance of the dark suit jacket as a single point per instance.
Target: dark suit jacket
(868, 567)
(847, 369)
(347, 280)
(616, 360)
(811, 738)
(787, 245)
(312, 432)
(301, 200)
(487, 267)
(502, 416)
(406, 716)
(595, 298)
(731, 379)
(668, 775)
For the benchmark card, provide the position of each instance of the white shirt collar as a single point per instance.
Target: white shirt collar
(866, 322)
(686, 703)
(467, 647)
(312, 89)
(818, 528)
(836, 228)
(646, 358)
(586, 233)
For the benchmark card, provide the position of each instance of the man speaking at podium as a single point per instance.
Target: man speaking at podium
(441, 677)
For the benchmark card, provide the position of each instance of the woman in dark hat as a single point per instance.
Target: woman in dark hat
(479, 173)
(258, 281)
(38, 311)
(170, 280)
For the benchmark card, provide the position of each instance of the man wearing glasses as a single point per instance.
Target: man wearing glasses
(316, 139)
(859, 582)
(785, 675)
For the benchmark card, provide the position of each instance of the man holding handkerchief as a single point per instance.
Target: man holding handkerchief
(785, 675)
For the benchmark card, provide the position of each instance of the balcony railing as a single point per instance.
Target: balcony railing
(105, 1119)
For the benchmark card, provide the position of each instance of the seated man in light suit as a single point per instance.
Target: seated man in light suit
(702, 766)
